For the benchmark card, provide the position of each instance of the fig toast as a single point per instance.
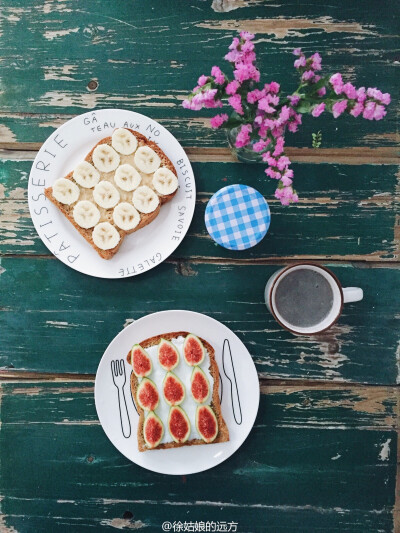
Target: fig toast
(205, 410)
(118, 189)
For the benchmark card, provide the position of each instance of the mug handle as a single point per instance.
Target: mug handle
(352, 294)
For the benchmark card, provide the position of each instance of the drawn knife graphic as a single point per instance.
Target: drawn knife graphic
(229, 371)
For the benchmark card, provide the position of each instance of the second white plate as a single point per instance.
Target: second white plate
(239, 388)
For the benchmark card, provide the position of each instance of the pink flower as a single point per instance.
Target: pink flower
(279, 147)
(301, 62)
(286, 180)
(243, 137)
(338, 108)
(236, 102)
(316, 61)
(254, 96)
(337, 82)
(379, 112)
(297, 52)
(271, 172)
(385, 98)
(283, 162)
(284, 115)
(369, 110)
(232, 87)
(232, 55)
(247, 36)
(261, 145)
(246, 71)
(273, 87)
(361, 95)
(269, 159)
(308, 75)
(248, 46)
(289, 173)
(357, 109)
(374, 111)
(350, 91)
(263, 104)
(219, 77)
(321, 92)
(294, 99)
(235, 43)
(318, 109)
(202, 80)
(286, 195)
(218, 120)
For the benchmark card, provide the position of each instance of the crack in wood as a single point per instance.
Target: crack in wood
(349, 156)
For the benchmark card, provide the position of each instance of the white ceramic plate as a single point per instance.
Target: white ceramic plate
(140, 251)
(240, 393)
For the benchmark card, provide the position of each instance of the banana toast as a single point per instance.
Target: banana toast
(175, 387)
(118, 189)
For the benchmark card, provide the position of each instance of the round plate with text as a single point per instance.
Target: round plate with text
(141, 250)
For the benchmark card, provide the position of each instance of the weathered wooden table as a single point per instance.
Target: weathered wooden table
(322, 455)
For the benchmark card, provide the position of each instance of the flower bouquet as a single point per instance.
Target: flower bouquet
(260, 115)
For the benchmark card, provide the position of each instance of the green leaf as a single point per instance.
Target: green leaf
(304, 106)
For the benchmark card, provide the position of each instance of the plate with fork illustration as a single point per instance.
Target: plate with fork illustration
(239, 392)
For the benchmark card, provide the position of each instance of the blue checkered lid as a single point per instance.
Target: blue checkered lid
(237, 217)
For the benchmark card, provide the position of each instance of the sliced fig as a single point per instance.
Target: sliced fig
(141, 362)
(178, 424)
(206, 423)
(173, 389)
(147, 395)
(193, 350)
(199, 385)
(153, 430)
(168, 355)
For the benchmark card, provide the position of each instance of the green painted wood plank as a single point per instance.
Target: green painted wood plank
(57, 320)
(152, 69)
(286, 477)
(345, 212)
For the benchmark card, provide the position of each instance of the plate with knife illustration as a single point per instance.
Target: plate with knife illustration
(177, 392)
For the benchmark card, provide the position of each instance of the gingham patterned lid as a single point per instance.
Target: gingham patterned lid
(237, 217)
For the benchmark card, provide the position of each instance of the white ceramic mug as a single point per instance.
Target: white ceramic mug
(340, 296)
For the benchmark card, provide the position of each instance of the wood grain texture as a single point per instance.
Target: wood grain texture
(345, 212)
(322, 455)
(70, 329)
(151, 70)
(323, 459)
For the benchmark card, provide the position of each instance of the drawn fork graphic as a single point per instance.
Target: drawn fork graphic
(119, 379)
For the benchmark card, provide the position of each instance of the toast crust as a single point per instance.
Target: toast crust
(223, 432)
(145, 219)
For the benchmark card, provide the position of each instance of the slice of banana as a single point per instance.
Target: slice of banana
(164, 181)
(124, 141)
(105, 236)
(106, 195)
(86, 175)
(146, 159)
(105, 158)
(145, 199)
(127, 178)
(86, 214)
(125, 216)
(65, 191)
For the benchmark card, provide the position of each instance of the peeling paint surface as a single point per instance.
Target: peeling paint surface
(323, 452)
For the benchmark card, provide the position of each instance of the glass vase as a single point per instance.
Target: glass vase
(245, 154)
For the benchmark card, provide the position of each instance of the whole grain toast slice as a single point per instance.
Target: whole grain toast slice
(223, 432)
(145, 219)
